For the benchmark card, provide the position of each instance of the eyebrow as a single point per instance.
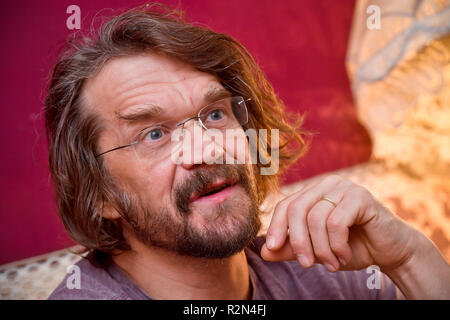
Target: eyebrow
(148, 111)
(216, 93)
(141, 112)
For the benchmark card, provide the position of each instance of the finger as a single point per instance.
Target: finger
(278, 229)
(299, 235)
(317, 225)
(345, 215)
(336, 196)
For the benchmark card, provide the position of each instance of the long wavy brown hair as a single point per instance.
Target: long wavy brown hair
(82, 184)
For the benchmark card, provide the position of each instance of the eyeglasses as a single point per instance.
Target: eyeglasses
(156, 140)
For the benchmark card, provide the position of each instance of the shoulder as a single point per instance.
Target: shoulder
(289, 280)
(85, 281)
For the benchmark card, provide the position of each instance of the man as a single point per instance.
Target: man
(166, 217)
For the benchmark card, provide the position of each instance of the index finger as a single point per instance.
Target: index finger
(278, 228)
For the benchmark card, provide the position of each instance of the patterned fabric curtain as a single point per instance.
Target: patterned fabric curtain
(400, 77)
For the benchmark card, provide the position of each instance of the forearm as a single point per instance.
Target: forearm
(426, 275)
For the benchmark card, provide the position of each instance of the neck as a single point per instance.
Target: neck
(167, 275)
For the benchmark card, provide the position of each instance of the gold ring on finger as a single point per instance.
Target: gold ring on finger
(329, 200)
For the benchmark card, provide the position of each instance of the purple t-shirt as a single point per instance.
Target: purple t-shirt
(270, 280)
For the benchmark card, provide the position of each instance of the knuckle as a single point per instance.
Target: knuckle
(332, 178)
(279, 207)
(346, 184)
(359, 192)
(299, 245)
(355, 194)
(313, 219)
(333, 225)
(295, 207)
(361, 196)
(310, 219)
(291, 212)
(337, 245)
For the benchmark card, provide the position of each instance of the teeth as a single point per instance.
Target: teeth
(213, 190)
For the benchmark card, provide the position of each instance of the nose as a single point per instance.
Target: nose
(201, 146)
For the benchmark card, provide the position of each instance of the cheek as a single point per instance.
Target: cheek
(152, 183)
(236, 146)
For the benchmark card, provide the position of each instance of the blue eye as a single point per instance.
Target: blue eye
(154, 135)
(215, 115)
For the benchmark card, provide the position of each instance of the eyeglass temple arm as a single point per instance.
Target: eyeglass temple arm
(114, 149)
(251, 120)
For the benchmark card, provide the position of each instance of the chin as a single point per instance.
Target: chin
(235, 226)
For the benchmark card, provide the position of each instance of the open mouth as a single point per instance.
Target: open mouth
(216, 191)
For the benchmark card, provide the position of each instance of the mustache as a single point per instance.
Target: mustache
(202, 177)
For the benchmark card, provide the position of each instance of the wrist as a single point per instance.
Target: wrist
(417, 250)
(424, 273)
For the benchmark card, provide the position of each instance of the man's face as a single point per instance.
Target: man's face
(193, 209)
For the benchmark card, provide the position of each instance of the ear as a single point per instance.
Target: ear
(109, 212)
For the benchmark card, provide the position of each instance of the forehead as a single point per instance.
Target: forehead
(126, 82)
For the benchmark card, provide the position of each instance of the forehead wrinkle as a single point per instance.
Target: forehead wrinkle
(133, 92)
(213, 91)
(139, 88)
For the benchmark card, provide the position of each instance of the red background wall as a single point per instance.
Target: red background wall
(300, 44)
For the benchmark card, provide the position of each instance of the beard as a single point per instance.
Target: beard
(178, 227)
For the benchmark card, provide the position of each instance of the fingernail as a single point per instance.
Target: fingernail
(270, 242)
(342, 261)
(304, 260)
(329, 267)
